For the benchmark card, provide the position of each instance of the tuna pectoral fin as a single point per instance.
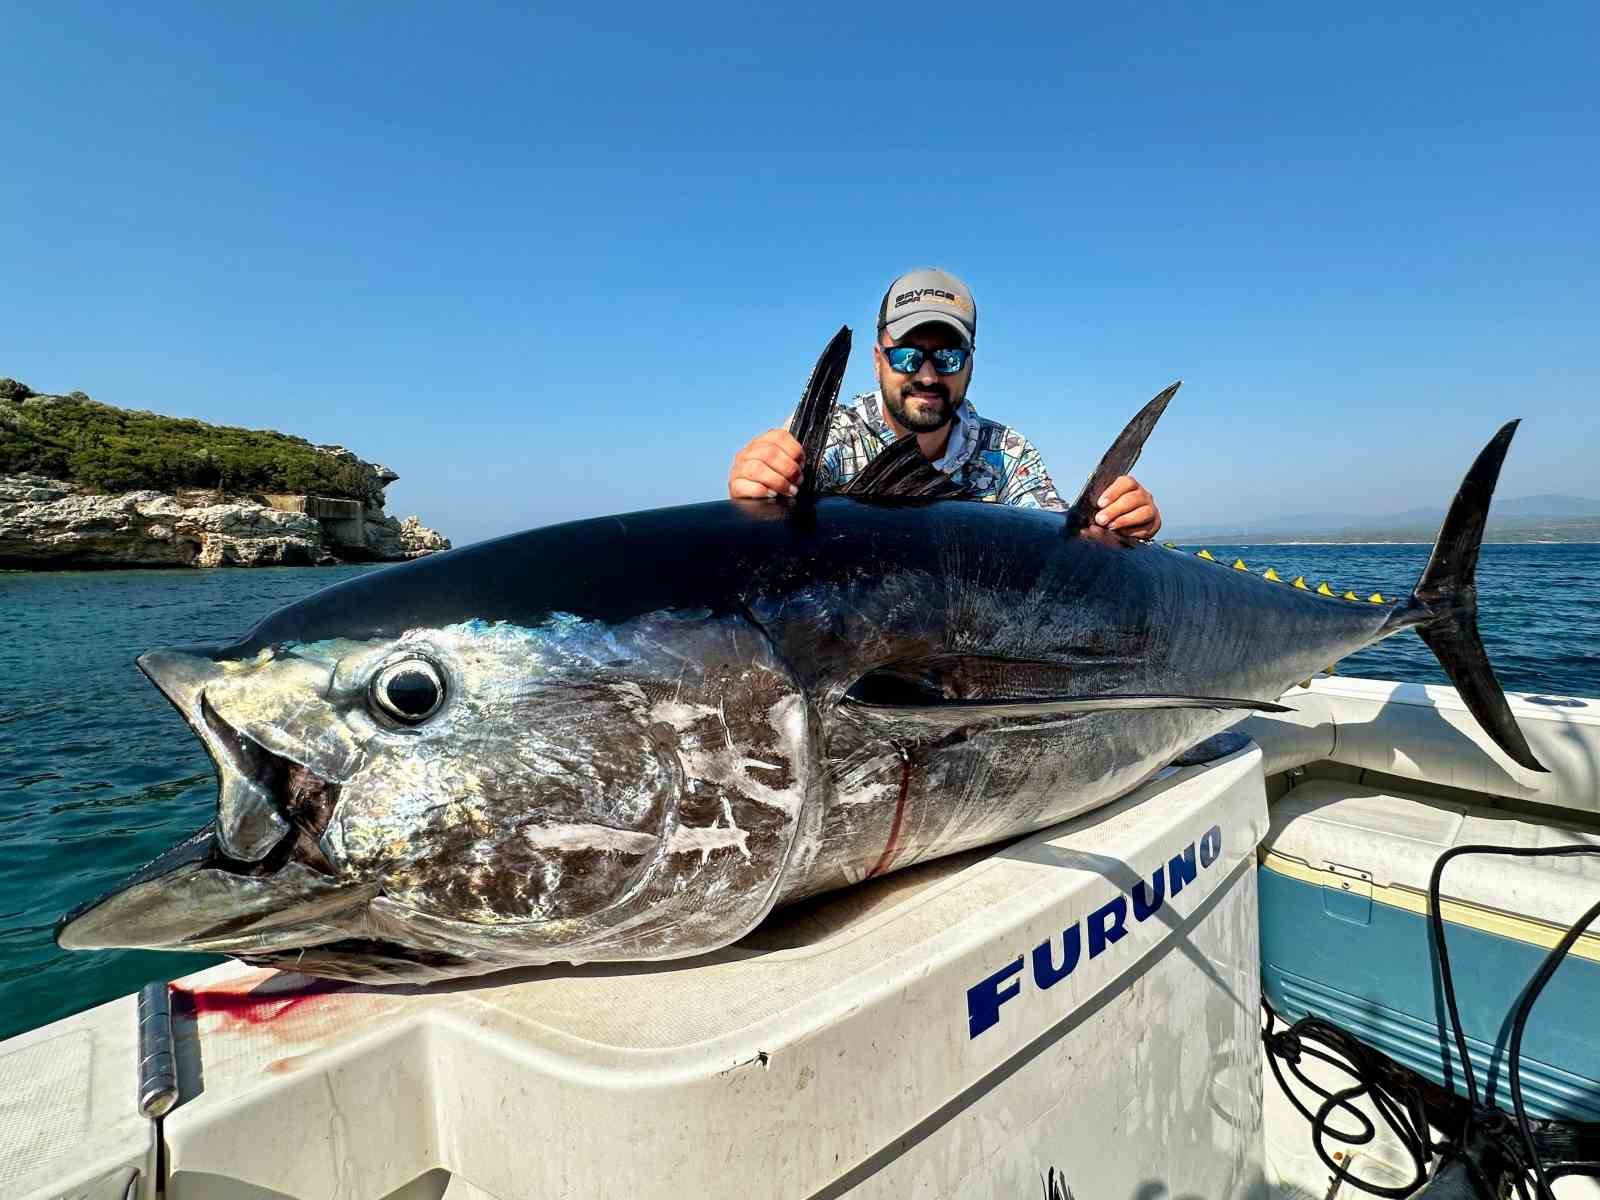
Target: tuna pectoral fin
(1119, 459)
(1036, 710)
(1444, 605)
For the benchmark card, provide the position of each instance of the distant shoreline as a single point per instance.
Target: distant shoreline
(1230, 542)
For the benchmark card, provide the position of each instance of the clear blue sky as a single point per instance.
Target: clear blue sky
(548, 261)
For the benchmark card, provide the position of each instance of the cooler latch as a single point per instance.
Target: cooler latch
(1352, 879)
(1347, 896)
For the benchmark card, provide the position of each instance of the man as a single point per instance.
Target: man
(927, 325)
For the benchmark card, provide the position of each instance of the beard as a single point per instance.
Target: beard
(920, 419)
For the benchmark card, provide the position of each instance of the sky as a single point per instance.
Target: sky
(556, 261)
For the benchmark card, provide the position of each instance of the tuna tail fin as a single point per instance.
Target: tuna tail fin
(814, 414)
(1444, 605)
(1119, 459)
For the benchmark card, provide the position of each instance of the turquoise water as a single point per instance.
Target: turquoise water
(98, 775)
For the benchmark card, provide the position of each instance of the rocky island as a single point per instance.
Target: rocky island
(84, 484)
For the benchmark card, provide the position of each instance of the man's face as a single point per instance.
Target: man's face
(927, 400)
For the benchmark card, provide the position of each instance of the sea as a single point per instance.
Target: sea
(98, 774)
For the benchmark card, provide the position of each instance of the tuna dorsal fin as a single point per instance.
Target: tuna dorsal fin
(899, 470)
(1119, 459)
(815, 412)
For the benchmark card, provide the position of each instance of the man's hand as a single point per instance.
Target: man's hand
(769, 466)
(1128, 507)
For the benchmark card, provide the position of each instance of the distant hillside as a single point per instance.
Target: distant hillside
(1558, 509)
(1543, 518)
(109, 449)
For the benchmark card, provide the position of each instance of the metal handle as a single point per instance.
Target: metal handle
(158, 1064)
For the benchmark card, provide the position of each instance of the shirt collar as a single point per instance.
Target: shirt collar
(963, 432)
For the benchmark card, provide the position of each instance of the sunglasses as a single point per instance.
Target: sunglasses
(908, 360)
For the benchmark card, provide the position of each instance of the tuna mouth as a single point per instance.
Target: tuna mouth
(258, 881)
(264, 798)
(194, 897)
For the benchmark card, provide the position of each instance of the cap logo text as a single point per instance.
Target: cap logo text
(937, 295)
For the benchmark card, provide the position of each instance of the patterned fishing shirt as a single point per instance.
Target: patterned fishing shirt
(990, 460)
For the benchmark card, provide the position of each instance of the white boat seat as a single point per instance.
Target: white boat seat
(1410, 731)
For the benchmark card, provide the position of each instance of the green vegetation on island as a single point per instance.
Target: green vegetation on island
(111, 449)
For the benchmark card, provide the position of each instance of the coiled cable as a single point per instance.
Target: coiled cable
(1377, 1077)
(1488, 1149)
(1534, 1162)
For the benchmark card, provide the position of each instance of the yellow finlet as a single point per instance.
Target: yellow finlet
(1273, 576)
(1351, 596)
(1169, 545)
(1323, 589)
(1205, 554)
(1376, 598)
(1238, 565)
(1300, 582)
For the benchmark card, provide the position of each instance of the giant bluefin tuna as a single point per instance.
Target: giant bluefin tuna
(632, 737)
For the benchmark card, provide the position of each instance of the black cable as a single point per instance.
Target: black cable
(1547, 968)
(1518, 1023)
(1410, 1105)
(1474, 1165)
(1389, 1087)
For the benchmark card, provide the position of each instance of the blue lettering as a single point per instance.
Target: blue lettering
(984, 999)
(1108, 923)
(1181, 870)
(1045, 972)
(1144, 904)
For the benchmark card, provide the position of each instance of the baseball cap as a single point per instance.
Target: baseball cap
(926, 295)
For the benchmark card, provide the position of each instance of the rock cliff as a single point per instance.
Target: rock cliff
(47, 521)
(50, 523)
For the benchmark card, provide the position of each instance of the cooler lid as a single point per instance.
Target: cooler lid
(1392, 839)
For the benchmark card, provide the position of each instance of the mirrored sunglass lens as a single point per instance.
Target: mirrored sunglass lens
(948, 362)
(904, 359)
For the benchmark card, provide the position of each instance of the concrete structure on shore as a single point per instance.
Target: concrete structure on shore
(344, 522)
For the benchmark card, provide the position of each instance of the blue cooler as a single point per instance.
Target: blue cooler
(1344, 936)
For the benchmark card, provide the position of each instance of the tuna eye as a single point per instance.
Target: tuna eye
(409, 691)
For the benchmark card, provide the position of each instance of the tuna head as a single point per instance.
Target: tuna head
(477, 795)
